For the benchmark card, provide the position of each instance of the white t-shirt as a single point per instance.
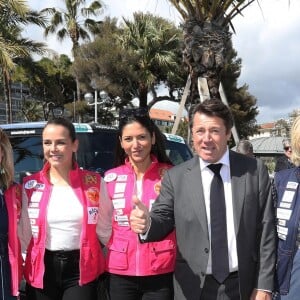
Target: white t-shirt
(64, 220)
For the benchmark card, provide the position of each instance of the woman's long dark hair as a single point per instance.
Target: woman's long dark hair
(140, 115)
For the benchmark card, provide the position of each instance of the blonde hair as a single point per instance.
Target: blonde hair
(295, 141)
(7, 162)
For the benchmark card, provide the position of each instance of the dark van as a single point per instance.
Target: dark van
(96, 147)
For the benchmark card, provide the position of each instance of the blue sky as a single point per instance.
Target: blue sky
(267, 40)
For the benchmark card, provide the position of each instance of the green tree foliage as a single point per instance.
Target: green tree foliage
(32, 111)
(7, 47)
(49, 81)
(79, 110)
(13, 15)
(74, 22)
(283, 127)
(183, 129)
(58, 85)
(121, 69)
(154, 42)
(106, 65)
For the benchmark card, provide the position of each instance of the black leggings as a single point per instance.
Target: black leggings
(5, 278)
(5, 272)
(61, 279)
(156, 287)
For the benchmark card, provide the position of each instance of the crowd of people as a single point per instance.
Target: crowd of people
(212, 228)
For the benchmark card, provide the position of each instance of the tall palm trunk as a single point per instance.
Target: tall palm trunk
(7, 93)
(75, 38)
(204, 53)
(143, 94)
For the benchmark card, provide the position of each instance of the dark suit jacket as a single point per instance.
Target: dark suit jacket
(181, 204)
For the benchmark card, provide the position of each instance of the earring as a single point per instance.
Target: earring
(2, 171)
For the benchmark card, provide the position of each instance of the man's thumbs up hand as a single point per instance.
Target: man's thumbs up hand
(139, 217)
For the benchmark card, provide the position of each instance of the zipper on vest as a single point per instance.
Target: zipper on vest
(137, 258)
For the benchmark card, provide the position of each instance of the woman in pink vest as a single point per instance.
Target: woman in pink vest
(58, 223)
(10, 208)
(137, 271)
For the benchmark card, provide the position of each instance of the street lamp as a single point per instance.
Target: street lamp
(90, 98)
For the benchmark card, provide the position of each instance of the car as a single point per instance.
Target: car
(96, 147)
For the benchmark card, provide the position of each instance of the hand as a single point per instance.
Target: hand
(139, 216)
(260, 295)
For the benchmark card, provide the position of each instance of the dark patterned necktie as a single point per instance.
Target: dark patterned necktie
(219, 245)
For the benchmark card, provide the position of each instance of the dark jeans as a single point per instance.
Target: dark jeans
(156, 287)
(61, 279)
(5, 278)
(5, 272)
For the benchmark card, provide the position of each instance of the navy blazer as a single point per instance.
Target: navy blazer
(287, 227)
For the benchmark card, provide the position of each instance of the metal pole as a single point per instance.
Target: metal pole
(181, 106)
(224, 99)
(96, 112)
(74, 106)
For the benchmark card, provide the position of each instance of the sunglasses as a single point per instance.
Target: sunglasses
(133, 112)
(287, 149)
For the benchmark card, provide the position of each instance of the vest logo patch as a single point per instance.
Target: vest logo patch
(90, 179)
(93, 195)
(122, 178)
(110, 177)
(33, 184)
(92, 215)
(30, 184)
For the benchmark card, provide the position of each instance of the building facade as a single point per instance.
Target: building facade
(19, 93)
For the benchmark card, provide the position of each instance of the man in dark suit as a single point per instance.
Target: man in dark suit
(185, 202)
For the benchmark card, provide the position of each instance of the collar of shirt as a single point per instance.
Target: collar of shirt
(224, 160)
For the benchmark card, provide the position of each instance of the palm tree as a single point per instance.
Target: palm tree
(206, 31)
(32, 111)
(153, 40)
(14, 14)
(75, 23)
(8, 49)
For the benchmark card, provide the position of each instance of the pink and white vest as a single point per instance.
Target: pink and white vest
(13, 200)
(126, 255)
(86, 186)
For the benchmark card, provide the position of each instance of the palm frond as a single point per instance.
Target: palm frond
(19, 7)
(211, 10)
(61, 34)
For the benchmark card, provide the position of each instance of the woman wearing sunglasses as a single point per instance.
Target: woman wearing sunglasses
(136, 270)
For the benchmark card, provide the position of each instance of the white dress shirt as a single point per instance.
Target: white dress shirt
(207, 176)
